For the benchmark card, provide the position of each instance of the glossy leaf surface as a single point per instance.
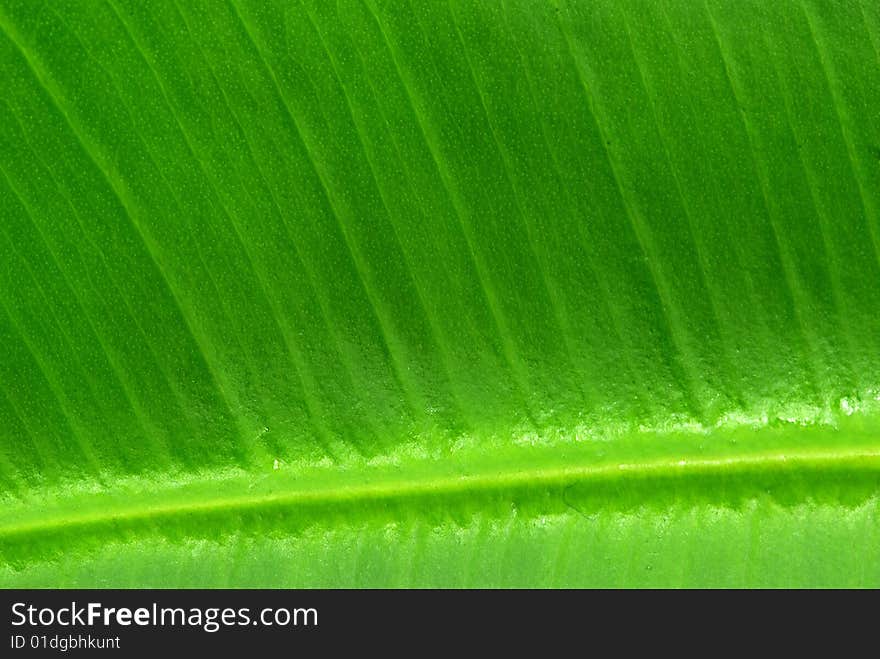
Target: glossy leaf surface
(389, 293)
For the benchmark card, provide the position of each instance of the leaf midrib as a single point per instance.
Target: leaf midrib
(377, 485)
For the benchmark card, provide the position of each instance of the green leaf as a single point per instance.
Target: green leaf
(389, 293)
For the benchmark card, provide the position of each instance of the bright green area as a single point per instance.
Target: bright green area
(392, 293)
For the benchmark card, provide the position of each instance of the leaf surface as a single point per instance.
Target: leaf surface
(388, 293)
